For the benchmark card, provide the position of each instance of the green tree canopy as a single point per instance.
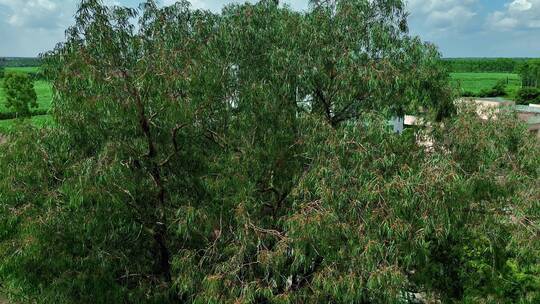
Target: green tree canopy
(530, 73)
(20, 93)
(245, 157)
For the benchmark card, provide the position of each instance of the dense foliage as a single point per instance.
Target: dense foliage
(20, 94)
(245, 158)
(483, 65)
(20, 61)
(530, 73)
(499, 89)
(2, 69)
(528, 95)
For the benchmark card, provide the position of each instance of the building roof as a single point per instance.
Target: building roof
(528, 109)
(495, 99)
(534, 120)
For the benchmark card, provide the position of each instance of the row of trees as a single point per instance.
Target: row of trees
(483, 65)
(530, 73)
(20, 61)
(245, 157)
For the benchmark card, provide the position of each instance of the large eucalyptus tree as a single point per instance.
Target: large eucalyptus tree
(244, 157)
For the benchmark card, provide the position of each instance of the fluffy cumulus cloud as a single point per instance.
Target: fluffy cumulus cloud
(437, 15)
(30, 27)
(199, 4)
(36, 14)
(517, 15)
(216, 5)
(459, 27)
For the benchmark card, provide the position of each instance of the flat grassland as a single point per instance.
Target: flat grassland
(24, 69)
(39, 121)
(475, 82)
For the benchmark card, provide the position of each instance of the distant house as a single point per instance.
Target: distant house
(488, 106)
(534, 125)
(485, 108)
(529, 114)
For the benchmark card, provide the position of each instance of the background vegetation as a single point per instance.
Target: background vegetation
(483, 65)
(43, 90)
(472, 84)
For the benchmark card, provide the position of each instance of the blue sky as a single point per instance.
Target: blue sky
(461, 28)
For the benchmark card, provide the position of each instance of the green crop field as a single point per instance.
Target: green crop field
(38, 121)
(475, 82)
(23, 69)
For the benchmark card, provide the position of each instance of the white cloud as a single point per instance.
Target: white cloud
(37, 14)
(437, 15)
(198, 4)
(518, 15)
(520, 5)
(460, 27)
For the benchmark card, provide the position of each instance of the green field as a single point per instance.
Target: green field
(475, 82)
(44, 98)
(38, 121)
(23, 69)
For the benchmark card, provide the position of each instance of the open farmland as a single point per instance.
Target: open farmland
(475, 82)
(23, 69)
(39, 121)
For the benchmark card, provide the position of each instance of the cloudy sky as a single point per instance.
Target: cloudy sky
(461, 28)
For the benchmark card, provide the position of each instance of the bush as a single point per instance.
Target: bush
(528, 95)
(468, 94)
(499, 89)
(20, 93)
(13, 115)
(2, 72)
(35, 76)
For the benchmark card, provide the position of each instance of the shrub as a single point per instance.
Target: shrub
(499, 89)
(468, 94)
(528, 95)
(36, 75)
(20, 93)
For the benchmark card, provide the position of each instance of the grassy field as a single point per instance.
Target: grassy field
(38, 121)
(475, 82)
(23, 69)
(44, 98)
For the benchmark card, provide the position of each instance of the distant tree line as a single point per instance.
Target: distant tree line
(530, 81)
(530, 73)
(2, 61)
(20, 61)
(477, 65)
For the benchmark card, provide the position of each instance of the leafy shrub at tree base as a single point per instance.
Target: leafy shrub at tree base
(20, 93)
(13, 115)
(468, 94)
(499, 89)
(528, 95)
